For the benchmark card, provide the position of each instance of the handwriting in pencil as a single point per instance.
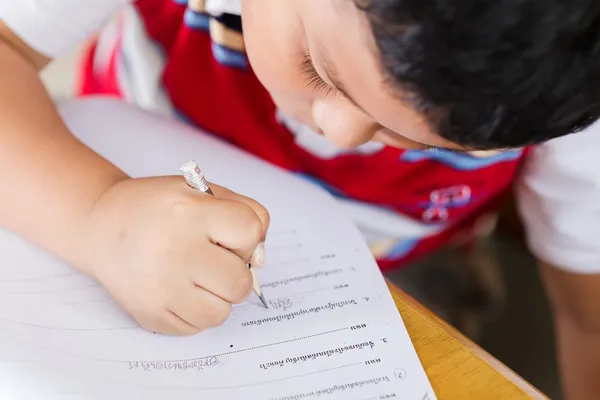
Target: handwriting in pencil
(178, 365)
(281, 304)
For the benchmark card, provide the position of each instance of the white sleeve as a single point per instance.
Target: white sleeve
(53, 27)
(559, 201)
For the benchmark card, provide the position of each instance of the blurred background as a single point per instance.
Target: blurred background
(497, 300)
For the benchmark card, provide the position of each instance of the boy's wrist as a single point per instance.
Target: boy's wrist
(80, 246)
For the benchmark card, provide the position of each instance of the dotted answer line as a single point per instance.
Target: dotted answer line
(197, 358)
(229, 352)
(257, 304)
(276, 343)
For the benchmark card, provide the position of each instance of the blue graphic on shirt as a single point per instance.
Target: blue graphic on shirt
(450, 203)
(460, 161)
(442, 201)
(181, 2)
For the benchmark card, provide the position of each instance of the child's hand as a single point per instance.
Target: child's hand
(174, 258)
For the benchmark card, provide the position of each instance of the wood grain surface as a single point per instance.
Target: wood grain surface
(457, 368)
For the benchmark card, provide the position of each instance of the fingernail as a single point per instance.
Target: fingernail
(258, 258)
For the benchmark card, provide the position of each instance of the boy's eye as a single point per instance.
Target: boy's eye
(312, 77)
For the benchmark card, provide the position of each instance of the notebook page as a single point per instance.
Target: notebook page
(332, 330)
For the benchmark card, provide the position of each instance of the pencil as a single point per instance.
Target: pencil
(196, 180)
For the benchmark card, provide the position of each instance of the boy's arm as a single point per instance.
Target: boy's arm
(65, 198)
(576, 304)
(50, 180)
(558, 195)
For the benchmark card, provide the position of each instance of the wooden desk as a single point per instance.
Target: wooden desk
(457, 368)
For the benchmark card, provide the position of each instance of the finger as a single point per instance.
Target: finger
(199, 308)
(170, 324)
(226, 275)
(234, 226)
(259, 210)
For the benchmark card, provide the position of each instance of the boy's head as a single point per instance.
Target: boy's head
(463, 74)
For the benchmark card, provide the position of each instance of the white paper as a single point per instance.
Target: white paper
(332, 332)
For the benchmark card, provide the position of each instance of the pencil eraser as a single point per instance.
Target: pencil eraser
(189, 167)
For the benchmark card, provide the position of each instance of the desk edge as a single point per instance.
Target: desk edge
(479, 352)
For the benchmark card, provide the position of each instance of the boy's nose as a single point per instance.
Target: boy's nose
(342, 123)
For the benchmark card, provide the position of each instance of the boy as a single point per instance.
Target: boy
(351, 93)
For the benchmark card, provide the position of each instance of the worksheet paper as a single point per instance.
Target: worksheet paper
(332, 330)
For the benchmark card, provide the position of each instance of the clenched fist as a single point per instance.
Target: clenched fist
(174, 258)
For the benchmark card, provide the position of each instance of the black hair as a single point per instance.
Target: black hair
(493, 73)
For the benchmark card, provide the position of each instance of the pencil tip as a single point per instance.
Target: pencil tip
(262, 298)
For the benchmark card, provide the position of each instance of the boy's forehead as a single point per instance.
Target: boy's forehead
(344, 12)
(337, 27)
